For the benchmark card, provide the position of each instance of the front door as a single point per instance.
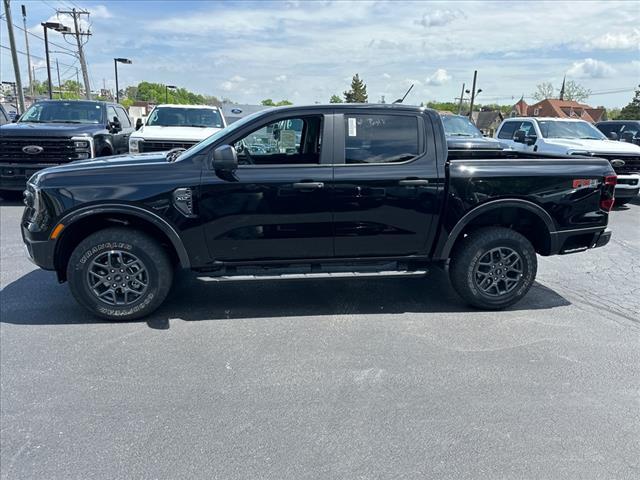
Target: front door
(385, 195)
(277, 204)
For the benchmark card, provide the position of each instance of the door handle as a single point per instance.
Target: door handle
(414, 182)
(308, 185)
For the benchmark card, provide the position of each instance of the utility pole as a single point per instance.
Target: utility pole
(26, 41)
(461, 98)
(78, 80)
(75, 14)
(46, 51)
(59, 84)
(473, 94)
(14, 55)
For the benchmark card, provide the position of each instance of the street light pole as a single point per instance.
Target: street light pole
(115, 66)
(46, 49)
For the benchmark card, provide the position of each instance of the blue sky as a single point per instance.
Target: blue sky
(306, 51)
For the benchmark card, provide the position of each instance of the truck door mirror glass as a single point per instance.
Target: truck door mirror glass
(115, 125)
(530, 140)
(519, 136)
(225, 159)
(613, 136)
(138, 124)
(627, 136)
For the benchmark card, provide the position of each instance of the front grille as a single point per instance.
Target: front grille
(631, 163)
(54, 150)
(162, 146)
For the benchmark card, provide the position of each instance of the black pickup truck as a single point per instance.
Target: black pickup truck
(54, 132)
(353, 190)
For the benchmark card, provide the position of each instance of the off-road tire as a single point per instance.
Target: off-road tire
(132, 244)
(465, 262)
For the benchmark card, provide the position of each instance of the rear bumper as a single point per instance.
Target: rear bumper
(14, 176)
(574, 241)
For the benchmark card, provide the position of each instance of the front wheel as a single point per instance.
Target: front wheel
(493, 268)
(119, 274)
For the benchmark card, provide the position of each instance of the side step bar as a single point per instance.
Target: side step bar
(298, 276)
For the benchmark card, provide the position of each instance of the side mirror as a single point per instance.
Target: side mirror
(613, 136)
(225, 159)
(627, 137)
(115, 125)
(519, 136)
(531, 140)
(138, 124)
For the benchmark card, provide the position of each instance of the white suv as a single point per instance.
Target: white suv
(562, 136)
(176, 126)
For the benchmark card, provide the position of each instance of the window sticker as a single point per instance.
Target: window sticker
(287, 139)
(352, 127)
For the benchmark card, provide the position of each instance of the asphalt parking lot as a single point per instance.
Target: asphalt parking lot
(344, 379)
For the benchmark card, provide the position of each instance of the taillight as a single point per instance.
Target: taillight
(607, 198)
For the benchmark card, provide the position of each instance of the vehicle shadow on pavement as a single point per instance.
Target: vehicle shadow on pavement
(192, 299)
(11, 199)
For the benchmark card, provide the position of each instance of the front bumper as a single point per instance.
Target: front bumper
(14, 176)
(40, 252)
(627, 186)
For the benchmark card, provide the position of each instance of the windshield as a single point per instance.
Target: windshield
(63, 112)
(185, 117)
(458, 126)
(198, 147)
(574, 130)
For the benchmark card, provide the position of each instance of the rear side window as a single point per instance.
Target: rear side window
(371, 138)
(508, 129)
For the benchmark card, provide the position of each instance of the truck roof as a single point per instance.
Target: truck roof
(546, 119)
(178, 105)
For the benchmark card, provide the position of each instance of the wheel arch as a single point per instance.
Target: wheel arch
(85, 221)
(527, 218)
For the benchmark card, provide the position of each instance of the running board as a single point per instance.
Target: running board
(298, 276)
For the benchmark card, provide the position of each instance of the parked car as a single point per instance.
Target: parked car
(561, 136)
(368, 190)
(55, 132)
(623, 130)
(461, 133)
(4, 117)
(176, 126)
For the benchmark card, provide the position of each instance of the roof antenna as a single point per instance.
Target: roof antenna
(400, 100)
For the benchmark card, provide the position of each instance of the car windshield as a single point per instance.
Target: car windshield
(185, 117)
(575, 130)
(63, 112)
(198, 147)
(458, 126)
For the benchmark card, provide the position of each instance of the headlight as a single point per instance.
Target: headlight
(36, 211)
(134, 146)
(83, 147)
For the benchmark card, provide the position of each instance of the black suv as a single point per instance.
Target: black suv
(623, 130)
(55, 132)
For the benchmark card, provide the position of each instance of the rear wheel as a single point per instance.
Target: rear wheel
(493, 268)
(119, 274)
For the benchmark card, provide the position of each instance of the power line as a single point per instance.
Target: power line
(32, 55)
(41, 38)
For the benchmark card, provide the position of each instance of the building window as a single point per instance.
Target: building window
(536, 112)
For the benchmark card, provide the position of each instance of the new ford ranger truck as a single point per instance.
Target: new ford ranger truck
(302, 192)
(54, 132)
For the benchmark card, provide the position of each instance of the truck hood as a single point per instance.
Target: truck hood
(195, 134)
(473, 143)
(79, 166)
(595, 146)
(50, 129)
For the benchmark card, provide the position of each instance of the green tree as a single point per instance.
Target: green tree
(575, 91)
(335, 99)
(267, 102)
(632, 110)
(358, 92)
(613, 113)
(543, 91)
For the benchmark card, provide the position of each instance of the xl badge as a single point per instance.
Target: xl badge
(32, 149)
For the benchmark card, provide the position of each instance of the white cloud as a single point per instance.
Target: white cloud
(386, 75)
(100, 11)
(439, 77)
(227, 86)
(439, 18)
(590, 68)
(616, 41)
(281, 78)
(238, 79)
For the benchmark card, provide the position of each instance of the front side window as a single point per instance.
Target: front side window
(573, 130)
(508, 129)
(63, 112)
(528, 129)
(459, 126)
(372, 138)
(111, 112)
(185, 117)
(123, 117)
(292, 141)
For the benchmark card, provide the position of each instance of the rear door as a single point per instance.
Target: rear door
(385, 184)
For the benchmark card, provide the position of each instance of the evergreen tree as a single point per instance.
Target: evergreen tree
(335, 99)
(358, 92)
(632, 110)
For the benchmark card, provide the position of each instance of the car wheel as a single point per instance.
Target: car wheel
(493, 268)
(119, 274)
